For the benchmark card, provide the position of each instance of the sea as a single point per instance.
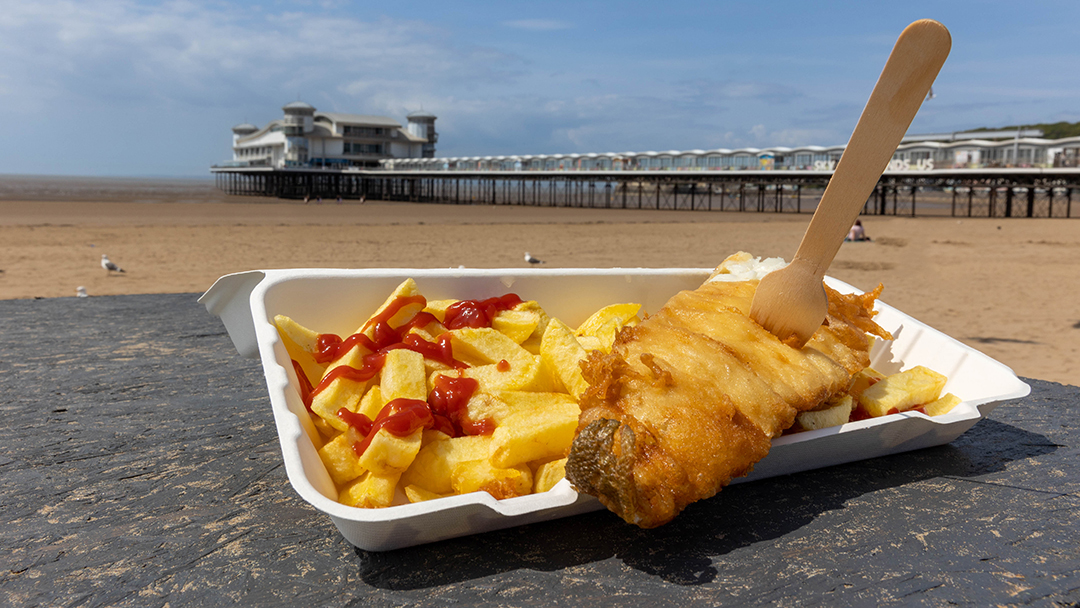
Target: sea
(116, 189)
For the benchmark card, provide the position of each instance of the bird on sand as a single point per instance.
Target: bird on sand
(530, 259)
(108, 265)
(80, 292)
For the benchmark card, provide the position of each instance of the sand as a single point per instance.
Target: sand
(1006, 287)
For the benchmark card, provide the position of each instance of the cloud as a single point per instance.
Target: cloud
(119, 52)
(538, 25)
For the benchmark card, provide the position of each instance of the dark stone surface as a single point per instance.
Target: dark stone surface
(139, 466)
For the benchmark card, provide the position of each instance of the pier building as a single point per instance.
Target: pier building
(972, 150)
(305, 137)
(987, 174)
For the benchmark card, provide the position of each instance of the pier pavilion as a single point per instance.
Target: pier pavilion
(305, 137)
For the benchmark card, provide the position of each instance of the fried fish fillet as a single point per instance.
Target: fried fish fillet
(692, 397)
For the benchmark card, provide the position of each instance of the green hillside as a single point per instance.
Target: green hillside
(1055, 130)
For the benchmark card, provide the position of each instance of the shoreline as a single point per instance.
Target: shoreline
(971, 278)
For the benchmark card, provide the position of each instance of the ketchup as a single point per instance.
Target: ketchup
(392, 309)
(401, 418)
(305, 385)
(858, 414)
(446, 407)
(478, 313)
(450, 398)
(921, 409)
(360, 422)
(329, 347)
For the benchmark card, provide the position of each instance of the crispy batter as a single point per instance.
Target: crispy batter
(693, 396)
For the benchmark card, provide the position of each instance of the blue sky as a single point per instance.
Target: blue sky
(122, 87)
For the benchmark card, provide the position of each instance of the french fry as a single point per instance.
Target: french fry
(404, 376)
(342, 392)
(532, 343)
(407, 289)
(303, 354)
(563, 354)
(498, 362)
(476, 475)
(902, 391)
(517, 325)
(548, 474)
(418, 494)
(301, 336)
(370, 491)
(340, 460)
(942, 405)
(372, 403)
(388, 454)
(542, 430)
(836, 415)
(864, 380)
(434, 463)
(615, 315)
(438, 308)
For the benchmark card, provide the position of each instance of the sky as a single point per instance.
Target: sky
(133, 88)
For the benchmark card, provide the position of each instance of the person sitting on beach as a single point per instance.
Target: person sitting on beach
(857, 233)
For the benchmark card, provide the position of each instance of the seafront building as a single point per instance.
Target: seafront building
(971, 150)
(305, 137)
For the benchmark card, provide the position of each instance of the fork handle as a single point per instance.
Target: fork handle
(915, 61)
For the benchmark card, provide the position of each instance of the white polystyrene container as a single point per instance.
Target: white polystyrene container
(336, 301)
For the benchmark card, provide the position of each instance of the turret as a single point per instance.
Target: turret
(299, 118)
(422, 124)
(242, 130)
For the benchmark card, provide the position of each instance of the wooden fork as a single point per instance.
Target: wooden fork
(791, 302)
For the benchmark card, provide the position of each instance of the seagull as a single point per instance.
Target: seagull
(530, 259)
(80, 292)
(108, 265)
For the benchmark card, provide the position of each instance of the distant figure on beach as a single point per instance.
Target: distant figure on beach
(857, 233)
(108, 265)
(80, 292)
(363, 198)
(307, 198)
(530, 259)
(339, 199)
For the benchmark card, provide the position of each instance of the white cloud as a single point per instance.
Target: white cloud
(199, 54)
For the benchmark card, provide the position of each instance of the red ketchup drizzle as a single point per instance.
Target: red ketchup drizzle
(305, 385)
(921, 409)
(450, 398)
(360, 422)
(858, 414)
(441, 350)
(329, 347)
(400, 417)
(478, 313)
(443, 424)
(446, 408)
(371, 366)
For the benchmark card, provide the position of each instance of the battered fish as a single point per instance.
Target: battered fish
(692, 397)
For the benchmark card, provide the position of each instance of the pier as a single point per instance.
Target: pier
(988, 192)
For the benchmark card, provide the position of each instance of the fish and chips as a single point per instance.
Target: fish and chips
(649, 413)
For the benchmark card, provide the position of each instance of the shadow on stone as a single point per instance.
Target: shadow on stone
(683, 551)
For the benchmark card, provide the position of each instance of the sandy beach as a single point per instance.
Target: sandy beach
(1005, 287)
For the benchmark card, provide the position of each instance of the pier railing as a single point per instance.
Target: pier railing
(1030, 193)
